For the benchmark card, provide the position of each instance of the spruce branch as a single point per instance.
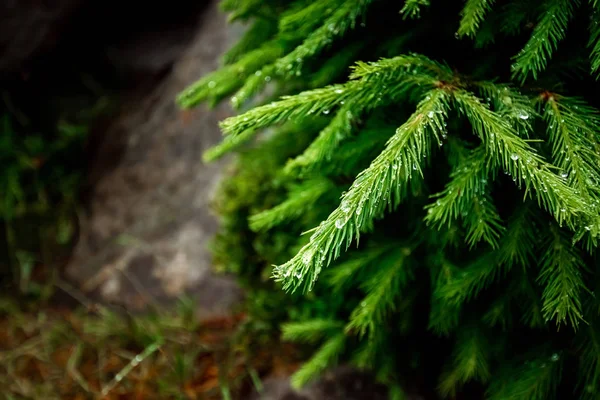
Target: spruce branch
(500, 313)
(383, 183)
(472, 16)
(535, 380)
(412, 8)
(397, 76)
(520, 237)
(466, 196)
(261, 31)
(594, 42)
(510, 104)
(561, 276)
(470, 361)
(514, 248)
(366, 356)
(550, 30)
(395, 68)
(302, 20)
(444, 316)
(300, 199)
(310, 331)
(588, 341)
(518, 159)
(253, 85)
(323, 148)
(302, 105)
(325, 357)
(573, 129)
(230, 77)
(392, 274)
(352, 269)
(337, 25)
(357, 151)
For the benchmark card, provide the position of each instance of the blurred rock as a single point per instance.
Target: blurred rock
(343, 383)
(144, 235)
(29, 27)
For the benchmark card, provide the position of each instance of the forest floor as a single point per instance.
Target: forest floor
(71, 348)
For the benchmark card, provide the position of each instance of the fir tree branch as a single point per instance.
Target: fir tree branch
(342, 274)
(535, 380)
(550, 30)
(398, 67)
(300, 199)
(260, 32)
(500, 313)
(301, 21)
(517, 158)
(342, 20)
(466, 196)
(323, 358)
(302, 105)
(395, 75)
(515, 247)
(510, 104)
(381, 289)
(594, 42)
(336, 65)
(561, 276)
(444, 316)
(383, 183)
(253, 85)
(366, 356)
(472, 16)
(322, 149)
(470, 361)
(573, 132)
(589, 362)
(412, 8)
(309, 331)
(356, 152)
(520, 238)
(230, 77)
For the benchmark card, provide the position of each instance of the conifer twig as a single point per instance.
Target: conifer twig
(381, 185)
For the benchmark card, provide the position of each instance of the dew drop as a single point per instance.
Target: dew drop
(267, 78)
(326, 112)
(345, 206)
(430, 114)
(564, 174)
(514, 157)
(258, 73)
(339, 91)
(212, 84)
(340, 222)
(555, 357)
(307, 257)
(523, 115)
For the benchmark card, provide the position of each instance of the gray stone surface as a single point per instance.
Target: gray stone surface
(144, 234)
(343, 383)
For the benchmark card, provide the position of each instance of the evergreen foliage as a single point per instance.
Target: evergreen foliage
(417, 188)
